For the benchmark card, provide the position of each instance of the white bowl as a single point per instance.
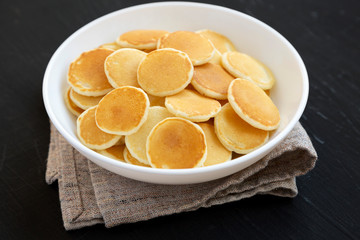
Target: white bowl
(249, 35)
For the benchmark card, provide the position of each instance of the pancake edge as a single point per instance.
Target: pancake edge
(67, 104)
(245, 117)
(230, 145)
(92, 146)
(77, 103)
(236, 73)
(230, 152)
(207, 92)
(228, 40)
(201, 118)
(126, 151)
(109, 155)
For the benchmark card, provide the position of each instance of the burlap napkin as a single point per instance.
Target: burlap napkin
(90, 194)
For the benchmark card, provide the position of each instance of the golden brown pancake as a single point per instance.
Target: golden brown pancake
(82, 101)
(199, 48)
(140, 39)
(252, 104)
(236, 134)
(136, 142)
(165, 72)
(86, 74)
(243, 66)
(71, 105)
(89, 133)
(176, 143)
(130, 159)
(221, 43)
(116, 152)
(121, 67)
(211, 80)
(123, 110)
(216, 152)
(113, 46)
(192, 106)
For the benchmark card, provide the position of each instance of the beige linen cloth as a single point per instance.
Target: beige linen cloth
(90, 194)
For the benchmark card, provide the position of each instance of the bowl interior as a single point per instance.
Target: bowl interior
(248, 35)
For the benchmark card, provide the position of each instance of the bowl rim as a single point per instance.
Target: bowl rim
(208, 169)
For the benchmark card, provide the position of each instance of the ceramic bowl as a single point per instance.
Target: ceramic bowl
(248, 34)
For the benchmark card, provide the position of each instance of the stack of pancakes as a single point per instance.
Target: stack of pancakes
(171, 100)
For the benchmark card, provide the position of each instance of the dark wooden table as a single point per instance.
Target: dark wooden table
(326, 34)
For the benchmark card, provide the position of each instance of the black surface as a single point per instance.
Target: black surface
(326, 34)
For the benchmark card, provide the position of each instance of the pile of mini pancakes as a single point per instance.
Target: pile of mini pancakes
(171, 99)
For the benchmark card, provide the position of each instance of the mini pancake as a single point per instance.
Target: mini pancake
(192, 106)
(199, 48)
(156, 101)
(130, 159)
(236, 134)
(84, 102)
(211, 80)
(121, 67)
(165, 72)
(140, 39)
(176, 143)
(221, 43)
(243, 66)
(252, 104)
(113, 46)
(122, 111)
(136, 143)
(216, 152)
(89, 133)
(216, 59)
(115, 152)
(86, 74)
(71, 105)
